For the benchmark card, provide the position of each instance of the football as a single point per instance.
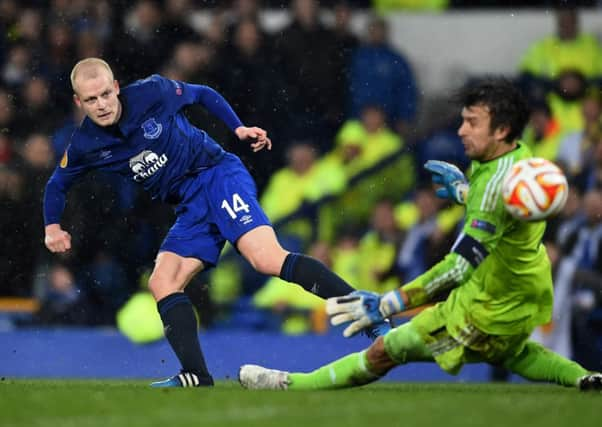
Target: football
(534, 189)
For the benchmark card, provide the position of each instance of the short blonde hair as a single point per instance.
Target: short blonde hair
(89, 68)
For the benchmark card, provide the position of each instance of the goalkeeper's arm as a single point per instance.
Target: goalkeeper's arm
(453, 270)
(363, 308)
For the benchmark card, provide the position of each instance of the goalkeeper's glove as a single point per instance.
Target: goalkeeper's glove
(455, 185)
(362, 309)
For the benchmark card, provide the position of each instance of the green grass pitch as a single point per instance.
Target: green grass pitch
(68, 403)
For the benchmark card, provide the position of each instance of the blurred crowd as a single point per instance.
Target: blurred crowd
(343, 182)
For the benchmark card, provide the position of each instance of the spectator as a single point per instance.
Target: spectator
(5, 150)
(61, 301)
(254, 91)
(36, 107)
(346, 43)
(140, 49)
(363, 143)
(381, 76)
(566, 100)
(575, 147)
(176, 26)
(306, 179)
(378, 248)
(584, 247)
(591, 176)
(543, 133)
(105, 284)
(568, 49)
(8, 17)
(15, 267)
(314, 112)
(61, 47)
(88, 45)
(414, 256)
(18, 66)
(7, 112)
(244, 10)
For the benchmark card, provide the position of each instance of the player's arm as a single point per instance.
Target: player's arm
(217, 105)
(66, 173)
(480, 236)
(363, 308)
(455, 269)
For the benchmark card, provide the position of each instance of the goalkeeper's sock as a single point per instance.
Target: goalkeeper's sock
(181, 332)
(349, 371)
(313, 276)
(537, 363)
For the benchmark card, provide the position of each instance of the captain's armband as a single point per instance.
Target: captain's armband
(470, 249)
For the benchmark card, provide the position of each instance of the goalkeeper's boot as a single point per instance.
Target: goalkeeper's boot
(255, 377)
(591, 382)
(185, 379)
(378, 329)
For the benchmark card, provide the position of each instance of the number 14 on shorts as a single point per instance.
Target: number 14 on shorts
(237, 205)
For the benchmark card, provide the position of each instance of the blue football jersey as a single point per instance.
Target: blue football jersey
(153, 142)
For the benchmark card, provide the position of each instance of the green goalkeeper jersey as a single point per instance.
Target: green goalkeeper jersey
(498, 268)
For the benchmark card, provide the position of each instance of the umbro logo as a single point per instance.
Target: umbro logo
(246, 219)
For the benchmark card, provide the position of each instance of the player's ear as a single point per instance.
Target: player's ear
(77, 101)
(116, 86)
(501, 133)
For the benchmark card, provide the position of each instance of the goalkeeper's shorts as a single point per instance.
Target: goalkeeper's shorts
(451, 352)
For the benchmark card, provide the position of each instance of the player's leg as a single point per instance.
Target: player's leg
(401, 345)
(537, 363)
(170, 276)
(241, 220)
(261, 248)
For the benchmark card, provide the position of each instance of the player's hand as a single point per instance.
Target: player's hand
(258, 136)
(57, 240)
(455, 185)
(362, 309)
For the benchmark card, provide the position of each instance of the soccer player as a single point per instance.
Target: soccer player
(141, 132)
(498, 273)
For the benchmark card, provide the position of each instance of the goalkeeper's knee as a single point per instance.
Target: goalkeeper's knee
(379, 361)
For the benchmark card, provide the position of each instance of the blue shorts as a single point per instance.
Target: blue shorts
(218, 204)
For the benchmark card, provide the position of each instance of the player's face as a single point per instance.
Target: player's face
(97, 97)
(480, 143)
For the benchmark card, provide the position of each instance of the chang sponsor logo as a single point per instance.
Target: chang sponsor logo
(146, 164)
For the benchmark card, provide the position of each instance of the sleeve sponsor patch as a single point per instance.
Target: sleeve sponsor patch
(483, 225)
(178, 87)
(64, 160)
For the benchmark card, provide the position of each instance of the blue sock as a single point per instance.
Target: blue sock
(313, 276)
(181, 332)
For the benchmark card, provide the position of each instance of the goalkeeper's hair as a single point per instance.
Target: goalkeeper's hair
(506, 104)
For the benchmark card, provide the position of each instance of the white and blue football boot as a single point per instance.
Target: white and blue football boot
(184, 379)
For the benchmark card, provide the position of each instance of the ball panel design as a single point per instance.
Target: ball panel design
(534, 189)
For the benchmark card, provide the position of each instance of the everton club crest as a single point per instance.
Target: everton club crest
(152, 129)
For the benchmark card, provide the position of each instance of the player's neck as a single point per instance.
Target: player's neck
(499, 150)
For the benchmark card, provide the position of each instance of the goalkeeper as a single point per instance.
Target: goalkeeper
(498, 273)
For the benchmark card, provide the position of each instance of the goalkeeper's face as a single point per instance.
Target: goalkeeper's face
(98, 97)
(480, 143)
